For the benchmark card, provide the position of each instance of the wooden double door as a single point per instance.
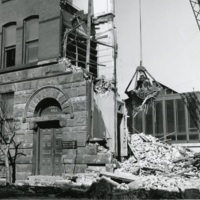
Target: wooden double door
(50, 151)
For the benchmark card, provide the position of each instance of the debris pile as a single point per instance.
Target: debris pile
(102, 85)
(152, 156)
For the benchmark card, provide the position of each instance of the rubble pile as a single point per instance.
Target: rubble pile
(152, 156)
(102, 86)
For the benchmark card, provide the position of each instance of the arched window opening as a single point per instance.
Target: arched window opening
(48, 106)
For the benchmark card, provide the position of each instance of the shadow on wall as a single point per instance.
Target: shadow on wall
(99, 130)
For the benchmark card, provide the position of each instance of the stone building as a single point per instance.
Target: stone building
(47, 95)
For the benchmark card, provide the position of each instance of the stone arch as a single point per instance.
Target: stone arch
(48, 92)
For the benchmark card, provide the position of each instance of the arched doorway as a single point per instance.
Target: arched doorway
(49, 138)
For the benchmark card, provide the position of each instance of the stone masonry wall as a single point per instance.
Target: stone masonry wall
(24, 84)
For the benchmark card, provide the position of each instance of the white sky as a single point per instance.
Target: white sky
(171, 43)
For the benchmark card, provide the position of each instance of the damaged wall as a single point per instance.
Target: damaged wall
(105, 34)
(104, 118)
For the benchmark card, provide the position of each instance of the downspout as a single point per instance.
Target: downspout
(115, 80)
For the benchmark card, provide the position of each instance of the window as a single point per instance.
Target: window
(159, 118)
(7, 111)
(31, 40)
(9, 45)
(170, 120)
(181, 128)
(149, 121)
(138, 122)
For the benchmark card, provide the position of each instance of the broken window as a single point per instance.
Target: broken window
(159, 118)
(170, 116)
(138, 123)
(149, 121)
(193, 130)
(180, 114)
(31, 39)
(75, 38)
(180, 118)
(9, 44)
(170, 120)
(76, 51)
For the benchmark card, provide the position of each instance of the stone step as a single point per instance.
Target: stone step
(42, 178)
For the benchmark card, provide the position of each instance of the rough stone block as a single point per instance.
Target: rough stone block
(69, 136)
(73, 93)
(81, 91)
(22, 175)
(26, 85)
(90, 150)
(19, 110)
(79, 129)
(71, 168)
(24, 168)
(66, 130)
(24, 160)
(79, 106)
(27, 152)
(78, 76)
(88, 159)
(81, 121)
(8, 88)
(21, 99)
(80, 114)
(69, 151)
(54, 69)
(21, 126)
(81, 143)
(65, 79)
(71, 122)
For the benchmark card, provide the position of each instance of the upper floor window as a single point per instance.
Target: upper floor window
(9, 44)
(31, 39)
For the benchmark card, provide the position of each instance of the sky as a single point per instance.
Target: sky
(171, 43)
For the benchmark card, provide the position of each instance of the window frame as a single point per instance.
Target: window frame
(25, 42)
(4, 48)
(188, 133)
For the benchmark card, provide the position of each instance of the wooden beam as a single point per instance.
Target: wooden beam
(88, 34)
(127, 177)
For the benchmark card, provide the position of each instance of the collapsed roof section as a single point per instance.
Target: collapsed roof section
(145, 91)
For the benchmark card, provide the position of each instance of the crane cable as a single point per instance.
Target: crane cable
(140, 13)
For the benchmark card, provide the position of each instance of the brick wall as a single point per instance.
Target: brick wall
(49, 29)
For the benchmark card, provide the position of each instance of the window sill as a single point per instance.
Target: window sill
(26, 66)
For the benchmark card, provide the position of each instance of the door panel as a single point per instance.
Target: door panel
(46, 153)
(50, 152)
(57, 152)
